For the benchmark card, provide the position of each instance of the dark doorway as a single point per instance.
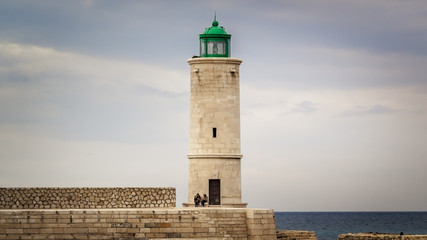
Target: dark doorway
(214, 192)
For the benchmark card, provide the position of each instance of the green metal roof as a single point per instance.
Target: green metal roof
(215, 31)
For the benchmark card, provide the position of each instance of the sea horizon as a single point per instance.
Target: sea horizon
(329, 224)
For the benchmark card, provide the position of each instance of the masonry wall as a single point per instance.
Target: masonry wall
(215, 103)
(86, 198)
(215, 128)
(296, 235)
(202, 223)
(202, 169)
(380, 236)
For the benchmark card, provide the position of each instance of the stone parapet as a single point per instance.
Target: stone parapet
(182, 223)
(296, 235)
(261, 224)
(86, 198)
(380, 236)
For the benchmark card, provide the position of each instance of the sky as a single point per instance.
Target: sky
(333, 98)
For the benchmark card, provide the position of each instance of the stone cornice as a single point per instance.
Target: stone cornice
(214, 155)
(209, 60)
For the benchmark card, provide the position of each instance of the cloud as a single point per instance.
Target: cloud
(332, 97)
(267, 101)
(69, 119)
(374, 110)
(49, 65)
(304, 107)
(316, 67)
(400, 14)
(77, 96)
(357, 142)
(380, 26)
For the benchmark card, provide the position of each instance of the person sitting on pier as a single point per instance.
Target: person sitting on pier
(204, 200)
(197, 199)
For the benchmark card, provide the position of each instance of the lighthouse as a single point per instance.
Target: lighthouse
(214, 154)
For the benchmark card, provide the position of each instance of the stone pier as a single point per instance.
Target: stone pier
(194, 223)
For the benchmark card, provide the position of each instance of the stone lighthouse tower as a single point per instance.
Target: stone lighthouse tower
(214, 156)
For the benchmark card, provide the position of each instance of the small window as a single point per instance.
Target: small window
(214, 132)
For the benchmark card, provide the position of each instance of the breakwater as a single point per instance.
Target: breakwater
(194, 223)
(380, 236)
(295, 235)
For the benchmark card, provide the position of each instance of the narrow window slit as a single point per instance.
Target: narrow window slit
(214, 132)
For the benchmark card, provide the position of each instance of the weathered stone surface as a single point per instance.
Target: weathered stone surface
(296, 235)
(215, 128)
(215, 103)
(184, 223)
(87, 198)
(380, 236)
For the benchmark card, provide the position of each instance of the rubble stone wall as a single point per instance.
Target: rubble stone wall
(296, 235)
(188, 223)
(380, 236)
(86, 198)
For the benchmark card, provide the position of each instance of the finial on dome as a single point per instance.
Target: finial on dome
(215, 22)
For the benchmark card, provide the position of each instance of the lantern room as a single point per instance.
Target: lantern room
(215, 41)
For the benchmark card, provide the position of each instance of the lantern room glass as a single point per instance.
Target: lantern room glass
(202, 48)
(214, 48)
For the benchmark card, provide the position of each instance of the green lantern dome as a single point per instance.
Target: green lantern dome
(215, 41)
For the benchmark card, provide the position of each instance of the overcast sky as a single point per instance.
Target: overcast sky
(333, 98)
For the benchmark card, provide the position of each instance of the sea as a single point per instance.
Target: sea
(328, 225)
